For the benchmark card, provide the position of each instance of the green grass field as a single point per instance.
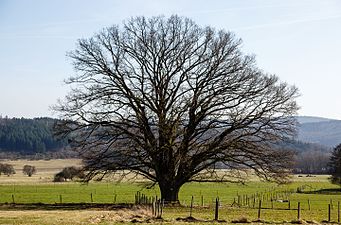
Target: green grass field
(314, 205)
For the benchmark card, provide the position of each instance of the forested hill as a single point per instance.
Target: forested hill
(320, 131)
(28, 136)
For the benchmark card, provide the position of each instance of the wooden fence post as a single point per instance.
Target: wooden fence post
(309, 204)
(338, 211)
(298, 211)
(216, 213)
(153, 207)
(162, 205)
(158, 208)
(259, 208)
(115, 196)
(329, 213)
(191, 209)
(272, 204)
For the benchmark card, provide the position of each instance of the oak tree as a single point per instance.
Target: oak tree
(171, 100)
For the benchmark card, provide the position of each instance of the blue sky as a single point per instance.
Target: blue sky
(298, 40)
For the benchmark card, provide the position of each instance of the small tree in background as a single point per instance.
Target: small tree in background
(68, 173)
(6, 169)
(29, 170)
(335, 165)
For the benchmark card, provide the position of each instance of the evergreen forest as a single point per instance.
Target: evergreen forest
(28, 136)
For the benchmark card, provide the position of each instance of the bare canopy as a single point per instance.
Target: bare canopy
(170, 100)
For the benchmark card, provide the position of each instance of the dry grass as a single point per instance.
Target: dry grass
(310, 178)
(46, 169)
(122, 216)
(75, 217)
(50, 217)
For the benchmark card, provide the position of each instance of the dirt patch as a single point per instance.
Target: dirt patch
(133, 215)
(241, 220)
(189, 219)
(301, 221)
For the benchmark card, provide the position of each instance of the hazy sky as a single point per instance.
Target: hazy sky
(298, 40)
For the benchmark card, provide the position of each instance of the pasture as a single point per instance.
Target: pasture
(237, 202)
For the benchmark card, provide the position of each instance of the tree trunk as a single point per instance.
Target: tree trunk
(170, 193)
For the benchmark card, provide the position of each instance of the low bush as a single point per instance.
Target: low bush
(69, 173)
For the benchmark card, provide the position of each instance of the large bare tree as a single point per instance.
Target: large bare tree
(170, 100)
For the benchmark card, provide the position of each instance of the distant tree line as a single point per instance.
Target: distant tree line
(28, 136)
(310, 158)
(33, 139)
(312, 162)
(60, 154)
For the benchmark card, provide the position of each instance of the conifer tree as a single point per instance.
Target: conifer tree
(335, 165)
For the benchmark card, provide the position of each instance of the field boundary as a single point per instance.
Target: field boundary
(63, 206)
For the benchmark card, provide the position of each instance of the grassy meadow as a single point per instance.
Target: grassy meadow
(40, 189)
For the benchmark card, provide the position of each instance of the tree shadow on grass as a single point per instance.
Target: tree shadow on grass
(327, 191)
(62, 206)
